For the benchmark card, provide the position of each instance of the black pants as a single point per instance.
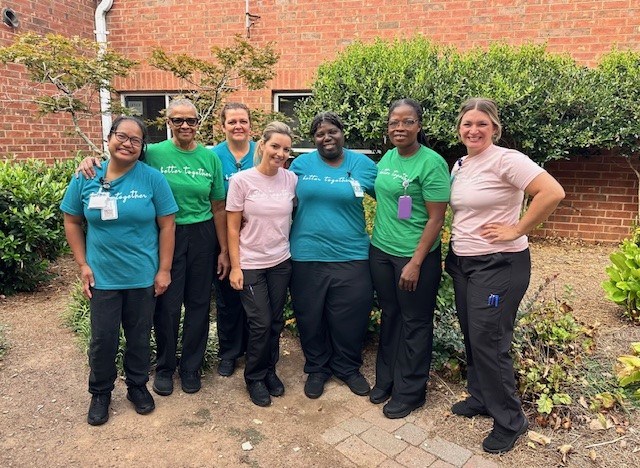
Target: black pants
(231, 319)
(263, 297)
(133, 308)
(406, 329)
(191, 277)
(332, 302)
(488, 329)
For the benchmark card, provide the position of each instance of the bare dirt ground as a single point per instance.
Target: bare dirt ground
(43, 397)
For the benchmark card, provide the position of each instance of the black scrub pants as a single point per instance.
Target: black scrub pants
(133, 308)
(332, 302)
(191, 277)
(230, 317)
(488, 328)
(406, 330)
(263, 297)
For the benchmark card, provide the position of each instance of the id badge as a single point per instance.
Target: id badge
(110, 211)
(357, 188)
(98, 200)
(404, 207)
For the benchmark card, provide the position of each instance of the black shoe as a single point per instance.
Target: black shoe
(226, 367)
(163, 384)
(141, 399)
(258, 393)
(99, 409)
(357, 384)
(394, 409)
(500, 441)
(314, 386)
(378, 396)
(274, 384)
(190, 381)
(462, 408)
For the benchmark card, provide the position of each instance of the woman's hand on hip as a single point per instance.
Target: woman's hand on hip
(499, 232)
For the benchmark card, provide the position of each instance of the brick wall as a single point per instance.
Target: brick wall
(22, 132)
(307, 33)
(601, 201)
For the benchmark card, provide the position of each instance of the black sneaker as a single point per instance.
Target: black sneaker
(190, 381)
(314, 386)
(163, 384)
(378, 396)
(500, 441)
(258, 393)
(141, 399)
(462, 408)
(395, 409)
(357, 384)
(274, 384)
(226, 367)
(99, 409)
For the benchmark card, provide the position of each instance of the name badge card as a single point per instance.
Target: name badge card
(98, 200)
(357, 188)
(110, 211)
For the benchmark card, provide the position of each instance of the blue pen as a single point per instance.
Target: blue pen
(493, 300)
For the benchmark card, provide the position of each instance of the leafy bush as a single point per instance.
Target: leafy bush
(623, 285)
(628, 371)
(78, 318)
(549, 346)
(31, 224)
(545, 99)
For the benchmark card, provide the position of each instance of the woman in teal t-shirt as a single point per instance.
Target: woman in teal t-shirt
(412, 191)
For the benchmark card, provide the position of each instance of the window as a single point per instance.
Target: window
(285, 102)
(149, 107)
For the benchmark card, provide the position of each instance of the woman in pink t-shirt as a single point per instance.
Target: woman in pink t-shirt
(490, 264)
(259, 207)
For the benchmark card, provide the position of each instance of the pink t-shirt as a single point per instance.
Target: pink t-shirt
(489, 188)
(266, 203)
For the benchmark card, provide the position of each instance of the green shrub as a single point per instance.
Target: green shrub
(623, 285)
(628, 371)
(549, 348)
(545, 99)
(78, 318)
(31, 224)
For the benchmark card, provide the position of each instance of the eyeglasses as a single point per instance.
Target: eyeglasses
(405, 123)
(123, 137)
(178, 121)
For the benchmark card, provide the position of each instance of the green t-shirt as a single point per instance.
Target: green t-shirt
(195, 178)
(428, 176)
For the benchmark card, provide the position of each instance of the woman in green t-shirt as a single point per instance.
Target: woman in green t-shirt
(412, 191)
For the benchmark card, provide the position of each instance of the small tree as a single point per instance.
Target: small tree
(69, 73)
(207, 82)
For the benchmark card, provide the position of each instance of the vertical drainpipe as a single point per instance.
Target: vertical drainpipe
(105, 97)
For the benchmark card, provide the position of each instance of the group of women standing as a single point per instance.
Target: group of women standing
(304, 228)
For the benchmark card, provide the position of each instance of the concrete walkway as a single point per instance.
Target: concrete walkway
(366, 437)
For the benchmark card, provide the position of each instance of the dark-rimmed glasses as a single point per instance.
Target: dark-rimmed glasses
(178, 121)
(123, 137)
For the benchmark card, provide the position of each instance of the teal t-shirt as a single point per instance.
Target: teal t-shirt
(429, 181)
(329, 223)
(195, 178)
(229, 164)
(123, 252)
